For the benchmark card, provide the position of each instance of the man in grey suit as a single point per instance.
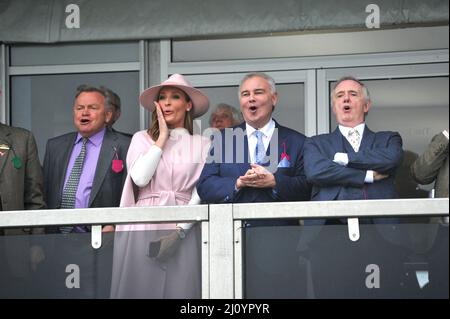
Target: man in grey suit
(116, 107)
(21, 184)
(100, 180)
(21, 188)
(432, 165)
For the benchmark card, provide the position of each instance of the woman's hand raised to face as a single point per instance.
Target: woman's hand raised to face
(163, 129)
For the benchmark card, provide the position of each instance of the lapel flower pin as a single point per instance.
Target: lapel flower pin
(117, 164)
(285, 158)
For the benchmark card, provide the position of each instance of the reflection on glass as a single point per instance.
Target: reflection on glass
(55, 266)
(403, 259)
(66, 266)
(138, 271)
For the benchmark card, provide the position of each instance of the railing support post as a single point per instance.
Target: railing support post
(221, 252)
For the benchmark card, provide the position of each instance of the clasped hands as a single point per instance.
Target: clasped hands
(257, 176)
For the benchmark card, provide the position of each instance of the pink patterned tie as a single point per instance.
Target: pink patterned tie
(354, 138)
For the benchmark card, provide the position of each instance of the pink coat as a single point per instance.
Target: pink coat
(175, 177)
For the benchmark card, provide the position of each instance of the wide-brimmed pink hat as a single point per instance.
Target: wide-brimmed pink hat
(200, 102)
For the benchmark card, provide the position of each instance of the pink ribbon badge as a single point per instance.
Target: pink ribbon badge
(117, 164)
(284, 154)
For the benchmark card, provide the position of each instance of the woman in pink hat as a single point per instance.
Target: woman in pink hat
(164, 164)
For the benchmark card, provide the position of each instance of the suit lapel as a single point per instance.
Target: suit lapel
(281, 138)
(5, 139)
(104, 162)
(67, 145)
(337, 140)
(368, 138)
(243, 167)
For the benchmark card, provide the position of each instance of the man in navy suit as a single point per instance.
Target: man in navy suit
(366, 170)
(234, 174)
(245, 168)
(353, 163)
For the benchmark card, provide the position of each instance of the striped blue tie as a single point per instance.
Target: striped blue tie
(260, 152)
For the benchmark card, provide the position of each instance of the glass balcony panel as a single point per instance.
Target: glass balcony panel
(393, 258)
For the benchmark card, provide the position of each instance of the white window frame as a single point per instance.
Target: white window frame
(8, 70)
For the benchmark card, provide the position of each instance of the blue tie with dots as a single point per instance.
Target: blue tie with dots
(260, 152)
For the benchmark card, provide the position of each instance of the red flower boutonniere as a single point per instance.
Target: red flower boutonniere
(284, 155)
(285, 158)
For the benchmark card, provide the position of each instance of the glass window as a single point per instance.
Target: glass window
(43, 103)
(59, 54)
(289, 112)
(285, 45)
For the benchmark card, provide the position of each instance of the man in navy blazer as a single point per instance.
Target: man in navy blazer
(352, 163)
(243, 168)
(340, 171)
(231, 173)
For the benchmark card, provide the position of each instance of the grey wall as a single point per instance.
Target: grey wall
(317, 44)
(45, 20)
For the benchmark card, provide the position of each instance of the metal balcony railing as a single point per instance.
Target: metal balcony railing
(237, 257)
